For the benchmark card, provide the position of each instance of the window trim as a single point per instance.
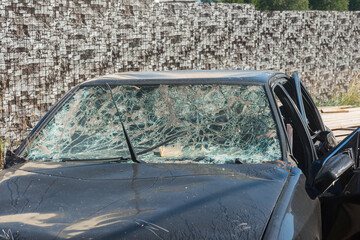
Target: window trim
(305, 135)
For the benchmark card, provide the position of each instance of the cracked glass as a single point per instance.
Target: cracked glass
(166, 123)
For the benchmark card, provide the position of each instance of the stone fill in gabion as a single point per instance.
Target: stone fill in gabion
(48, 46)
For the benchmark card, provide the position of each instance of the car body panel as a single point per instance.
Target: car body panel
(296, 215)
(139, 201)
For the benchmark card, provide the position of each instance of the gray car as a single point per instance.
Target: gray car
(183, 155)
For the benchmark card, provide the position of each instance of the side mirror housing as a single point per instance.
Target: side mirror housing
(327, 141)
(331, 171)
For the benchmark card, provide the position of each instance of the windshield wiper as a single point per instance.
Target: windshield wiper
(125, 158)
(130, 146)
(92, 160)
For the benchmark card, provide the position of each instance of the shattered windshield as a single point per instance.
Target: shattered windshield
(196, 123)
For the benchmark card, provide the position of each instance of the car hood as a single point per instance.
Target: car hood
(138, 201)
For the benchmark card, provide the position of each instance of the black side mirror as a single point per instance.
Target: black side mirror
(331, 171)
(325, 141)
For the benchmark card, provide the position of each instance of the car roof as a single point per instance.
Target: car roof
(186, 77)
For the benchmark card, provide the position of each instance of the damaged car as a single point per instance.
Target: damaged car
(224, 154)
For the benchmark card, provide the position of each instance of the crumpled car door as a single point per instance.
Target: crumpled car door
(341, 203)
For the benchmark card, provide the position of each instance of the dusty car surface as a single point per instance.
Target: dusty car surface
(183, 155)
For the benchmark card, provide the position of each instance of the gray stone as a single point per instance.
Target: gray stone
(48, 46)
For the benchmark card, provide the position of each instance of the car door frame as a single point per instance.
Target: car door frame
(333, 202)
(296, 214)
(280, 81)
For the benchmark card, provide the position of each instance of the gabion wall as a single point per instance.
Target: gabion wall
(48, 46)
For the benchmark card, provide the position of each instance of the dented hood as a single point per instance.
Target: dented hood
(138, 201)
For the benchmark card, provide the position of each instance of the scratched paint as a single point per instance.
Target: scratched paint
(213, 124)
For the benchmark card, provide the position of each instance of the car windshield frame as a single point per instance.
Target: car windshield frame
(48, 117)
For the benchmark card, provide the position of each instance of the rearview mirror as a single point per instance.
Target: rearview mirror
(331, 171)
